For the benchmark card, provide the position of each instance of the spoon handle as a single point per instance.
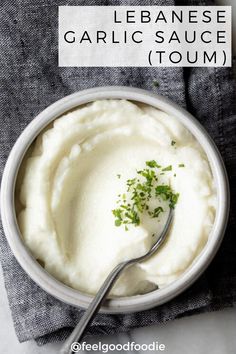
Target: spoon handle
(92, 310)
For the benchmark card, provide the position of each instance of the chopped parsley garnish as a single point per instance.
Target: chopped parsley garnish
(118, 222)
(152, 164)
(181, 165)
(168, 168)
(140, 191)
(156, 212)
(118, 175)
(166, 193)
(173, 143)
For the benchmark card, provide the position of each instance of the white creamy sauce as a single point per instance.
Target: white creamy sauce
(69, 187)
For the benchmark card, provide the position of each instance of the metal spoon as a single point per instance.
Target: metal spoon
(95, 305)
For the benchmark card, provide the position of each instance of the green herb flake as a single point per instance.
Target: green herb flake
(118, 222)
(173, 143)
(152, 164)
(168, 168)
(166, 193)
(118, 176)
(181, 165)
(157, 211)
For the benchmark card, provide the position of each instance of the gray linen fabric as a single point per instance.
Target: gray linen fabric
(31, 80)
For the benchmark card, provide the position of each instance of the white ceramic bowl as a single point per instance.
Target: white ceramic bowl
(38, 273)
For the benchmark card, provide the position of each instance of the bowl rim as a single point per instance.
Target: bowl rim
(64, 292)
